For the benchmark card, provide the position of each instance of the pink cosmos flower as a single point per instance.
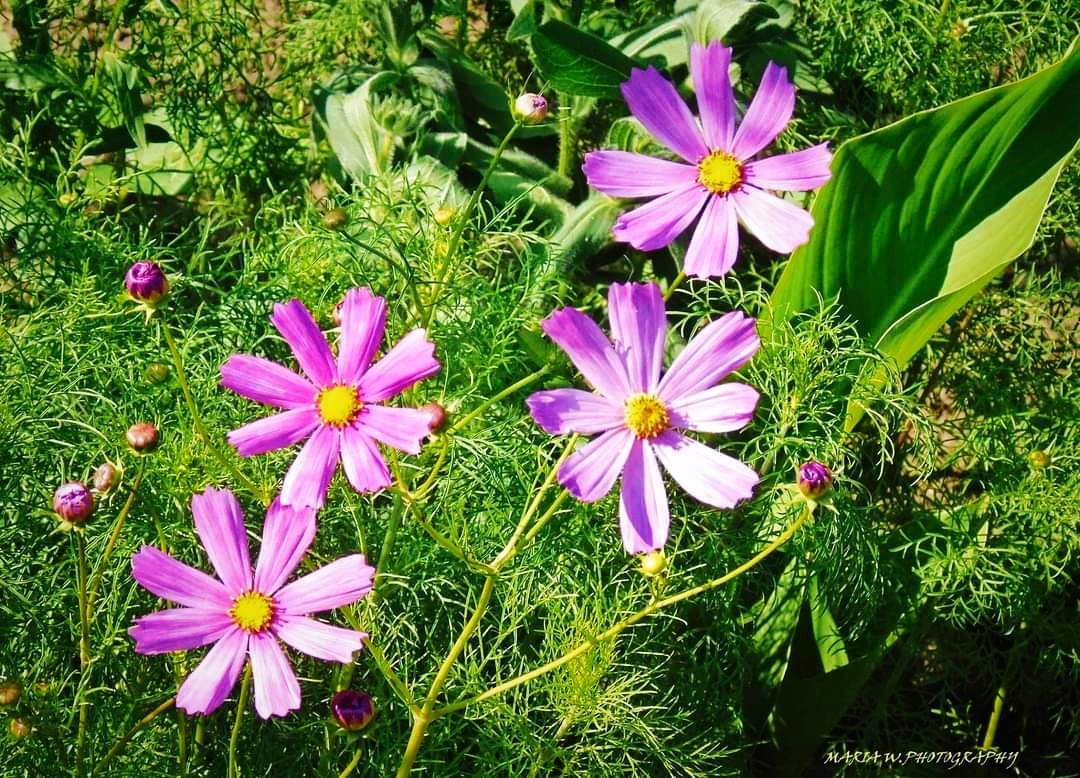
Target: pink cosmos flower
(722, 184)
(639, 410)
(245, 616)
(335, 404)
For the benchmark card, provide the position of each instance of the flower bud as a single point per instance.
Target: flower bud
(104, 477)
(1039, 460)
(147, 282)
(157, 373)
(142, 436)
(10, 692)
(335, 219)
(19, 728)
(814, 479)
(73, 502)
(653, 564)
(437, 414)
(353, 710)
(530, 108)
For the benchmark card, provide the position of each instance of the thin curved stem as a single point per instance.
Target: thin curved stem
(197, 420)
(99, 568)
(241, 706)
(118, 746)
(644, 613)
(84, 653)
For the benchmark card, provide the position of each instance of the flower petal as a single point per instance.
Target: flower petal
(561, 411)
(644, 517)
(799, 171)
(779, 224)
(286, 537)
(720, 348)
(364, 466)
(309, 475)
(628, 174)
(363, 321)
(710, 72)
(341, 582)
(768, 114)
(656, 104)
(714, 246)
(658, 222)
(411, 359)
(220, 525)
(322, 641)
(705, 474)
(179, 629)
(591, 471)
(266, 382)
(276, 689)
(723, 408)
(273, 432)
(172, 580)
(307, 342)
(215, 676)
(639, 331)
(400, 428)
(590, 351)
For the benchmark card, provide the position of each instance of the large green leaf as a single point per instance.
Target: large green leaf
(922, 214)
(577, 62)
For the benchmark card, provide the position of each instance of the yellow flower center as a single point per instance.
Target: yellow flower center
(720, 173)
(646, 416)
(252, 611)
(339, 405)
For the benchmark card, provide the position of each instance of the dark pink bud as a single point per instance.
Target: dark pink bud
(437, 414)
(147, 282)
(73, 502)
(104, 477)
(353, 710)
(815, 480)
(142, 436)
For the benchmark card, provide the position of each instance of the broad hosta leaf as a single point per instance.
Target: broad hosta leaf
(922, 214)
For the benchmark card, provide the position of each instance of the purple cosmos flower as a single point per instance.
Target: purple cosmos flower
(244, 615)
(721, 183)
(639, 410)
(336, 403)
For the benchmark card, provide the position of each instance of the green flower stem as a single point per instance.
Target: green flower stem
(444, 448)
(502, 395)
(425, 715)
(995, 719)
(197, 420)
(353, 763)
(400, 688)
(84, 652)
(512, 545)
(446, 266)
(567, 139)
(674, 285)
(644, 613)
(241, 706)
(99, 568)
(118, 746)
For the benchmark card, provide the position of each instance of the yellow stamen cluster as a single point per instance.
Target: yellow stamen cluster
(720, 173)
(252, 611)
(339, 405)
(646, 416)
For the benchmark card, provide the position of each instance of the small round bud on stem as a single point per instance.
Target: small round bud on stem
(157, 373)
(73, 502)
(653, 564)
(147, 282)
(335, 219)
(1039, 460)
(438, 416)
(20, 728)
(10, 692)
(530, 108)
(814, 479)
(353, 710)
(142, 436)
(104, 477)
